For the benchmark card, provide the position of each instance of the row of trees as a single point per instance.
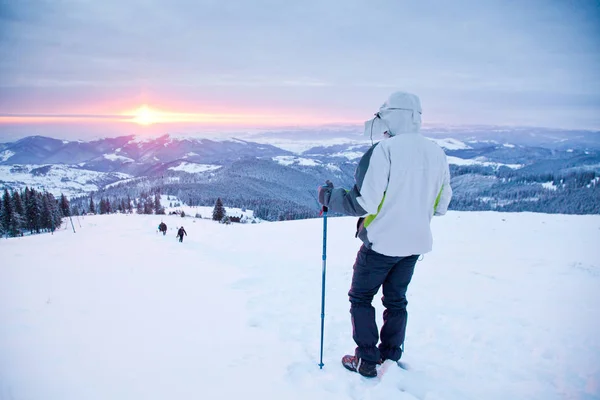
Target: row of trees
(106, 206)
(31, 211)
(148, 203)
(479, 188)
(35, 212)
(571, 178)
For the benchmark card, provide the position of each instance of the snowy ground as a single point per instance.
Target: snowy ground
(57, 179)
(506, 307)
(173, 204)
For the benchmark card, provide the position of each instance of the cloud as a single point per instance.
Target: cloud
(342, 55)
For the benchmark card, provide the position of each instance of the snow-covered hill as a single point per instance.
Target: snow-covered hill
(505, 307)
(130, 153)
(56, 179)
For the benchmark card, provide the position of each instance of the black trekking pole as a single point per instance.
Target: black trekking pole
(323, 281)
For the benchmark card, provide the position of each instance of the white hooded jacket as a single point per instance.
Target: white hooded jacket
(401, 182)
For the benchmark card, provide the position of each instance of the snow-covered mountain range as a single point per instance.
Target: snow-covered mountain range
(288, 165)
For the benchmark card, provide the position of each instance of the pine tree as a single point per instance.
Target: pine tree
(19, 221)
(102, 206)
(17, 201)
(129, 205)
(26, 201)
(55, 212)
(92, 206)
(46, 217)
(8, 215)
(2, 231)
(140, 207)
(157, 206)
(33, 210)
(219, 210)
(148, 206)
(109, 209)
(64, 206)
(37, 202)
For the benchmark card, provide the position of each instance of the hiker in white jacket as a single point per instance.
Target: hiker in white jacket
(401, 182)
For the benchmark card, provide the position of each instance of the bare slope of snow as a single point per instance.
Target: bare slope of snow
(450, 144)
(57, 178)
(504, 308)
(297, 145)
(193, 168)
(116, 157)
(5, 155)
(290, 160)
(175, 205)
(476, 161)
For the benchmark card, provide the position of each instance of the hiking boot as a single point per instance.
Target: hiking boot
(363, 367)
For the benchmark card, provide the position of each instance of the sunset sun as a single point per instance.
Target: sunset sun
(145, 116)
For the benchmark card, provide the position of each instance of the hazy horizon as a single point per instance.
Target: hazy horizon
(79, 68)
(338, 130)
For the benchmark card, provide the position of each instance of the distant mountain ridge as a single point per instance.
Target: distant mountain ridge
(514, 169)
(128, 154)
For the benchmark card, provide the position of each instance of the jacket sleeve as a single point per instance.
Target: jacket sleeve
(371, 180)
(445, 195)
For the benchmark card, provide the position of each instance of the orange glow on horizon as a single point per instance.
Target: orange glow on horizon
(146, 115)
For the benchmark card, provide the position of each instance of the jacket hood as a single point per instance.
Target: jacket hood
(401, 113)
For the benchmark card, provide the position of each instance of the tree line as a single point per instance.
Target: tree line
(147, 203)
(572, 191)
(31, 211)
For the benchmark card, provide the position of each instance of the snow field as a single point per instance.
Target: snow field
(505, 307)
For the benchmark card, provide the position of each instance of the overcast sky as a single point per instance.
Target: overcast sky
(521, 62)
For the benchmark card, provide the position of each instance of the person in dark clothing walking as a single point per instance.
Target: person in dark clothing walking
(180, 234)
(163, 228)
(401, 182)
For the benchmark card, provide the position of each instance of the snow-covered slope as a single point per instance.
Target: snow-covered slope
(478, 161)
(298, 145)
(172, 204)
(5, 155)
(450, 144)
(506, 307)
(194, 168)
(57, 178)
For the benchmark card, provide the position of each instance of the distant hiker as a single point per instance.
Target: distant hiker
(163, 228)
(180, 234)
(400, 184)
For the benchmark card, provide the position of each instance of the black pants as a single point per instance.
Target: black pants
(371, 270)
(180, 238)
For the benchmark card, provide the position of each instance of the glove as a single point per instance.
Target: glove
(324, 193)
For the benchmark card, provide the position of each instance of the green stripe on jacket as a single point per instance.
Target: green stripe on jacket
(371, 217)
